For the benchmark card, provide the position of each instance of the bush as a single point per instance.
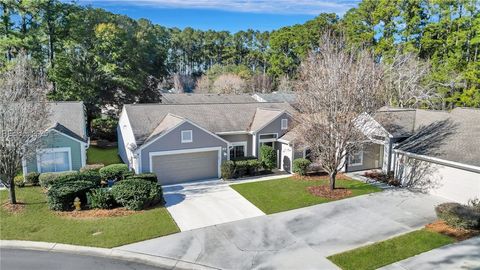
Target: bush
(137, 195)
(149, 177)
(60, 196)
(88, 176)
(32, 178)
(105, 129)
(227, 169)
(100, 198)
(300, 166)
(92, 167)
(46, 179)
(241, 168)
(114, 172)
(253, 166)
(268, 157)
(458, 215)
(19, 181)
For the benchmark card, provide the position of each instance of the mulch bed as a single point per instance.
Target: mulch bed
(14, 208)
(98, 213)
(458, 234)
(325, 192)
(317, 176)
(381, 177)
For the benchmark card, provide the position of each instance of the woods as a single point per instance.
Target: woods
(107, 60)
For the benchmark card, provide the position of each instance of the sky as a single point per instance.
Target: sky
(231, 15)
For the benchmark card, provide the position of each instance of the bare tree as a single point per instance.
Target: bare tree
(336, 85)
(260, 83)
(285, 84)
(23, 118)
(183, 83)
(203, 85)
(229, 84)
(405, 81)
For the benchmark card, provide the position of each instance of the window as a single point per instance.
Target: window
(187, 136)
(356, 158)
(284, 124)
(266, 143)
(271, 136)
(54, 160)
(237, 151)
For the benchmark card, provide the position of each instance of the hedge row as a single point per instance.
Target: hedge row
(240, 168)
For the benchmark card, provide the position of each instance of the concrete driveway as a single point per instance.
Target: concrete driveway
(206, 203)
(301, 238)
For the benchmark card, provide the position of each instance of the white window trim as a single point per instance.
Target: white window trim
(361, 159)
(191, 136)
(268, 140)
(284, 124)
(232, 144)
(54, 150)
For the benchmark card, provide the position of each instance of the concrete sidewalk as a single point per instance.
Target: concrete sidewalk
(301, 238)
(462, 255)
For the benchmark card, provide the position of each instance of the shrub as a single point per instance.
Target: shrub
(46, 179)
(241, 168)
(100, 198)
(268, 157)
(253, 166)
(60, 196)
(150, 177)
(32, 178)
(137, 195)
(92, 167)
(227, 169)
(458, 215)
(19, 181)
(105, 129)
(114, 171)
(88, 176)
(300, 166)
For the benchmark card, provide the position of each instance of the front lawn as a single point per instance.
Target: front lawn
(37, 223)
(105, 156)
(390, 251)
(284, 194)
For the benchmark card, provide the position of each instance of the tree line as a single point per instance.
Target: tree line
(107, 59)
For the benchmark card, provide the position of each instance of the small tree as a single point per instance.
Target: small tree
(229, 84)
(336, 85)
(23, 118)
(268, 157)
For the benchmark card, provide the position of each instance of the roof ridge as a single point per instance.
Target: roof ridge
(205, 104)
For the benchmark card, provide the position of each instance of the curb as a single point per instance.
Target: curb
(104, 253)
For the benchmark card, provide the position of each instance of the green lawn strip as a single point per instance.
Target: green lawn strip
(389, 251)
(284, 194)
(38, 223)
(106, 156)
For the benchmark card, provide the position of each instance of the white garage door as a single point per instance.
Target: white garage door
(178, 168)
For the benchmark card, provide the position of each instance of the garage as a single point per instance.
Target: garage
(174, 168)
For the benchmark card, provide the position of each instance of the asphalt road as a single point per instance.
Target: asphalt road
(14, 259)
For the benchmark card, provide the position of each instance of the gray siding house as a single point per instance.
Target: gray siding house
(185, 142)
(64, 143)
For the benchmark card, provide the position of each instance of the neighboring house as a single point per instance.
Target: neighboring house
(437, 151)
(288, 97)
(64, 143)
(184, 142)
(190, 98)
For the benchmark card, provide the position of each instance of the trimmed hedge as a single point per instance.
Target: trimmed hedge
(227, 169)
(92, 167)
(137, 195)
(19, 181)
(32, 178)
(240, 168)
(459, 215)
(60, 196)
(300, 166)
(46, 179)
(105, 129)
(114, 172)
(100, 198)
(149, 177)
(268, 157)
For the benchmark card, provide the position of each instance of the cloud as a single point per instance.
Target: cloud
(257, 6)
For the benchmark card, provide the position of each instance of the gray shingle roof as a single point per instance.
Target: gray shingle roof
(289, 97)
(397, 122)
(69, 118)
(205, 98)
(264, 116)
(453, 136)
(220, 117)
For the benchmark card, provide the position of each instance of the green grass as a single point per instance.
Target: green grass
(390, 251)
(105, 156)
(284, 194)
(37, 223)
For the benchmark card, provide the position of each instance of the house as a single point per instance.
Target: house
(64, 143)
(184, 142)
(437, 151)
(189, 98)
(288, 97)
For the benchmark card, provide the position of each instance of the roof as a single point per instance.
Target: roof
(68, 118)
(205, 98)
(396, 121)
(289, 97)
(264, 116)
(452, 136)
(220, 117)
(167, 123)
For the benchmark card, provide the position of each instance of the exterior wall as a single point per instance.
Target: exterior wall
(172, 142)
(125, 137)
(240, 138)
(286, 158)
(273, 127)
(55, 139)
(372, 158)
(455, 184)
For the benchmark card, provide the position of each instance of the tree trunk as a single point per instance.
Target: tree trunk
(11, 190)
(332, 180)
